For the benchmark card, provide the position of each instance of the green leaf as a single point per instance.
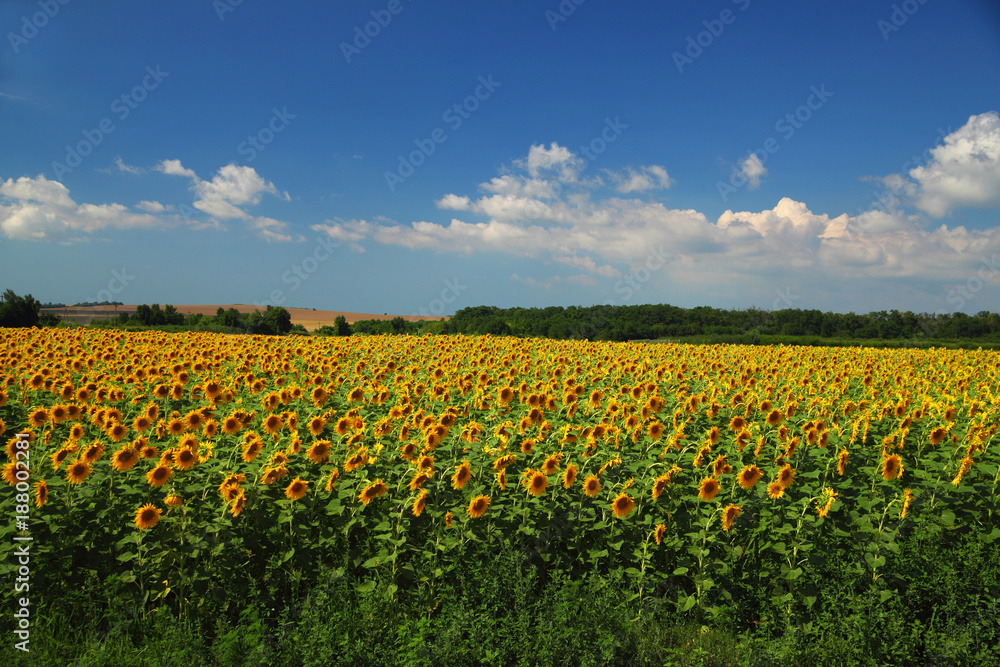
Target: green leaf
(688, 603)
(681, 570)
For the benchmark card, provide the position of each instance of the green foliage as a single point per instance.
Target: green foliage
(18, 311)
(714, 325)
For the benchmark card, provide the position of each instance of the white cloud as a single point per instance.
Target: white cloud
(39, 209)
(453, 202)
(153, 206)
(743, 255)
(753, 170)
(127, 168)
(273, 231)
(174, 168)
(555, 159)
(964, 171)
(652, 177)
(231, 190)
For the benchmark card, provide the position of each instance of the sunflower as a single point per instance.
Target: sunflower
(478, 506)
(373, 491)
(592, 486)
(622, 505)
(229, 492)
(124, 458)
(159, 476)
(737, 424)
(176, 426)
(419, 503)
(319, 451)
(658, 534)
(316, 426)
(708, 489)
(238, 503)
(231, 425)
(58, 456)
(502, 478)
(462, 475)
(272, 424)
(9, 473)
(58, 415)
(146, 516)
(729, 516)
(331, 480)
(774, 417)
(251, 450)
(420, 478)
(938, 435)
(94, 452)
(569, 476)
(824, 510)
(551, 464)
(173, 500)
(447, 519)
(148, 451)
(117, 432)
(41, 492)
(775, 490)
(78, 472)
(38, 417)
(720, 467)
(272, 475)
(141, 423)
(842, 461)
(749, 476)
(536, 483)
(76, 432)
(185, 458)
(297, 489)
(907, 499)
(892, 467)
(786, 476)
(655, 431)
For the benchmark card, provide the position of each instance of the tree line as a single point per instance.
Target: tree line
(647, 322)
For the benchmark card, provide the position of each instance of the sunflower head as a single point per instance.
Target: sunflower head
(297, 489)
(622, 505)
(729, 515)
(477, 507)
(749, 476)
(708, 489)
(146, 516)
(592, 486)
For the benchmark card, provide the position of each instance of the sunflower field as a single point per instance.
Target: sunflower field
(165, 467)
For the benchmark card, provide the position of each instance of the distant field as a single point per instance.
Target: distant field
(310, 319)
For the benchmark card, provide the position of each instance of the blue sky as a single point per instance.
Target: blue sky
(408, 157)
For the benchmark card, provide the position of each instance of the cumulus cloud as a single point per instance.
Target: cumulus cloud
(229, 193)
(963, 171)
(752, 169)
(530, 212)
(38, 209)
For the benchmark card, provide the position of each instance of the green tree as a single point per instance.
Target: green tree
(16, 311)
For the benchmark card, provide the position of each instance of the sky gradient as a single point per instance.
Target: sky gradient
(404, 157)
